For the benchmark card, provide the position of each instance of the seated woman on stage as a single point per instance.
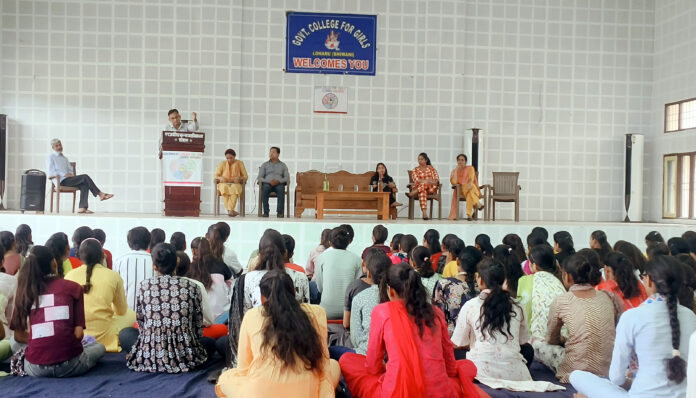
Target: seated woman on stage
(52, 309)
(413, 335)
(388, 184)
(169, 338)
(657, 333)
(582, 309)
(425, 182)
(465, 176)
(620, 280)
(282, 348)
(106, 308)
(230, 176)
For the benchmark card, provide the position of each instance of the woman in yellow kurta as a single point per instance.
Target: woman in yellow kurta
(465, 176)
(230, 176)
(106, 308)
(298, 366)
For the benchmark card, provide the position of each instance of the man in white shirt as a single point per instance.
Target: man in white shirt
(175, 123)
(135, 266)
(57, 165)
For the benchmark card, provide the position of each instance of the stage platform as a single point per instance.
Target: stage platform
(246, 231)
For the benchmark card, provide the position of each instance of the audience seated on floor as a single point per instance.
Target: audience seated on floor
(336, 269)
(654, 337)
(419, 259)
(49, 318)
(136, 265)
(590, 317)
(413, 335)
(536, 292)
(294, 366)
(382, 312)
(492, 325)
(106, 309)
(451, 293)
(169, 337)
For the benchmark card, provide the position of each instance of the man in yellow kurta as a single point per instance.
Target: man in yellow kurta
(230, 176)
(465, 176)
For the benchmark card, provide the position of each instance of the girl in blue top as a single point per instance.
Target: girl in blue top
(657, 333)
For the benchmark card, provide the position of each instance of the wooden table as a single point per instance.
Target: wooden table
(353, 202)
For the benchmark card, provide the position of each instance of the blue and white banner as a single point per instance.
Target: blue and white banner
(331, 43)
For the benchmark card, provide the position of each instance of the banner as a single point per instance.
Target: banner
(331, 43)
(330, 100)
(182, 168)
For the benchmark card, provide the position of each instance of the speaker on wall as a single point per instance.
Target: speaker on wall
(471, 146)
(3, 158)
(633, 178)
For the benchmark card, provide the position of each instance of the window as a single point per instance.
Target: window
(680, 115)
(679, 185)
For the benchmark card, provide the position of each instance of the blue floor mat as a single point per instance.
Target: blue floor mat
(111, 378)
(541, 373)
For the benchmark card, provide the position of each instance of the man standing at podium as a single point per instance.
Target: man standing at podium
(57, 165)
(175, 123)
(273, 176)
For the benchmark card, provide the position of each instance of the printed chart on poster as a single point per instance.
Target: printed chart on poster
(330, 100)
(182, 168)
(331, 43)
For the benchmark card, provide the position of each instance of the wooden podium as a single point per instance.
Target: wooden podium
(182, 158)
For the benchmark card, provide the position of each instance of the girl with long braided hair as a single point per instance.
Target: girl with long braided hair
(106, 308)
(657, 332)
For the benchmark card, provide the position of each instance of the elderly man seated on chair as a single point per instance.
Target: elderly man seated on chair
(57, 165)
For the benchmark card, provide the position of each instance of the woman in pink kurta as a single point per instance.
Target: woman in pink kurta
(416, 342)
(425, 181)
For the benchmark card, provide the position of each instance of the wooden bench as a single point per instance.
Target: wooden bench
(308, 183)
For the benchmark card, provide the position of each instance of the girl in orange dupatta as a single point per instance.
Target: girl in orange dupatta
(413, 336)
(465, 176)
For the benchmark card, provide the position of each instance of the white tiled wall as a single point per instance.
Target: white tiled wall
(675, 80)
(553, 84)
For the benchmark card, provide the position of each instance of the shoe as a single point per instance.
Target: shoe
(468, 219)
(396, 204)
(264, 215)
(232, 213)
(281, 216)
(106, 196)
(85, 211)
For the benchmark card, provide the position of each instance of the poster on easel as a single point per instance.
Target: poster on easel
(182, 169)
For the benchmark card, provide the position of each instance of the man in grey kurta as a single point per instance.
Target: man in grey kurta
(273, 176)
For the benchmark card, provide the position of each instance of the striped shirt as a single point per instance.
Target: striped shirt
(134, 267)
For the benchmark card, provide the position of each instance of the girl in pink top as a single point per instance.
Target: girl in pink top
(413, 335)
